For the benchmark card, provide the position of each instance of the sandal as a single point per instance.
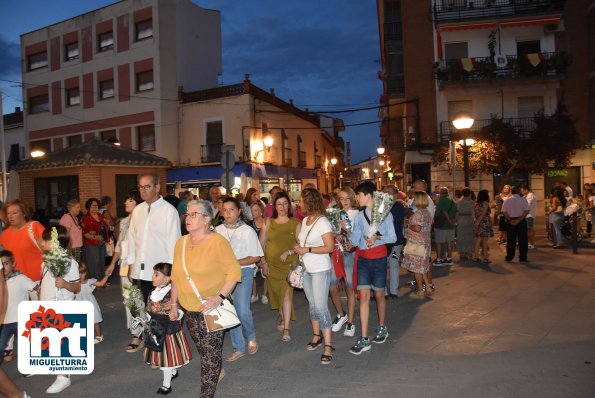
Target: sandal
(313, 345)
(286, 337)
(326, 359)
(8, 355)
(280, 326)
(135, 347)
(252, 347)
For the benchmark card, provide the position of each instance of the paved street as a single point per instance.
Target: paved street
(504, 330)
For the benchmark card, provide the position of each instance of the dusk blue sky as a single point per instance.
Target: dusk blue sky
(322, 54)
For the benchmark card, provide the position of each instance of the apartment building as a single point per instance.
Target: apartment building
(504, 58)
(114, 73)
(272, 141)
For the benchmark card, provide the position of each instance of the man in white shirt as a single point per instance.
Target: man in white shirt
(153, 231)
(515, 210)
(532, 201)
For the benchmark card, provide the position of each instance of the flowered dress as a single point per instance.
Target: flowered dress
(419, 265)
(483, 228)
(176, 351)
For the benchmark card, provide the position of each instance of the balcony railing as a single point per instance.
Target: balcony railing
(460, 10)
(317, 161)
(549, 64)
(301, 159)
(211, 153)
(287, 160)
(522, 125)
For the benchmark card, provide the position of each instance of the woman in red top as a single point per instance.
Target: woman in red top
(95, 236)
(23, 239)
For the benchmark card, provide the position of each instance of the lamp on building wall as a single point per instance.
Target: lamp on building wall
(380, 150)
(36, 153)
(463, 122)
(267, 143)
(113, 140)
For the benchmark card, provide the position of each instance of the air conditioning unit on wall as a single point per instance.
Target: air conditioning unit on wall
(554, 27)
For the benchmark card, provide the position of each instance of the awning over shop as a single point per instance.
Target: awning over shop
(205, 173)
(213, 173)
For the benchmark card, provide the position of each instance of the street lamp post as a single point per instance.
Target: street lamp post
(333, 163)
(463, 123)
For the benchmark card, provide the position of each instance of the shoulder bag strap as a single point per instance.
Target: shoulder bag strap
(186, 270)
(310, 230)
(32, 236)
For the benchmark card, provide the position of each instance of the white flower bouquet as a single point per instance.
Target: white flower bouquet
(57, 260)
(134, 300)
(380, 209)
(334, 216)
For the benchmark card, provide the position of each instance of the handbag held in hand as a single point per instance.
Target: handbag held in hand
(222, 317)
(295, 277)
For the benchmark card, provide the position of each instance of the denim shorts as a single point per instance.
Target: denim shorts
(371, 274)
(348, 258)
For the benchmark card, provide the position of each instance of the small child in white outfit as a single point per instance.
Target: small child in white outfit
(86, 294)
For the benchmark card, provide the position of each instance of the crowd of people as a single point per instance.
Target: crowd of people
(187, 255)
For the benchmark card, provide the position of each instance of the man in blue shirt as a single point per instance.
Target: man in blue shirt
(371, 265)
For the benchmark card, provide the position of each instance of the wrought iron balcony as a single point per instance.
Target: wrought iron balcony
(211, 153)
(301, 159)
(550, 64)
(461, 10)
(287, 160)
(522, 125)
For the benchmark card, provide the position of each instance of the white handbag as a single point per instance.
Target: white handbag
(415, 249)
(222, 317)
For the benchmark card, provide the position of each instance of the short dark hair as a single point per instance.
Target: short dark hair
(367, 188)
(105, 200)
(63, 235)
(90, 201)
(7, 253)
(231, 199)
(134, 194)
(525, 186)
(483, 196)
(466, 192)
(279, 195)
(164, 268)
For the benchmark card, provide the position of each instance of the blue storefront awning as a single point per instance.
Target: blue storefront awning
(205, 173)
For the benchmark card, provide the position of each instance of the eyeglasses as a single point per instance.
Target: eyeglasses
(283, 204)
(194, 214)
(145, 187)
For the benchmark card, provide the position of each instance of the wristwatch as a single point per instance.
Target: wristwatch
(222, 296)
(310, 250)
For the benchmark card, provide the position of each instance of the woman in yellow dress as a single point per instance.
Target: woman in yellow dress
(277, 237)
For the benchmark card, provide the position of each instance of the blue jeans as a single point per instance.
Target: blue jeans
(348, 262)
(316, 287)
(241, 300)
(557, 219)
(393, 263)
(8, 329)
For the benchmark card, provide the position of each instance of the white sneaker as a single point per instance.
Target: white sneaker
(530, 246)
(61, 384)
(264, 299)
(349, 330)
(254, 299)
(339, 322)
(98, 339)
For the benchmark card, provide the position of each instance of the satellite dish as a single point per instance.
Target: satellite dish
(500, 61)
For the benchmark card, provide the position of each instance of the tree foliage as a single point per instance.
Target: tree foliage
(502, 147)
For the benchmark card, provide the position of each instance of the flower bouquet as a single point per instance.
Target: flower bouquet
(134, 300)
(380, 209)
(334, 216)
(57, 260)
(135, 303)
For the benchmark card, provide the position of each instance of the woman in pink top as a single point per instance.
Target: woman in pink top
(71, 222)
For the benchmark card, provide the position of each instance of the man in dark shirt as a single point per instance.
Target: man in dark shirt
(394, 250)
